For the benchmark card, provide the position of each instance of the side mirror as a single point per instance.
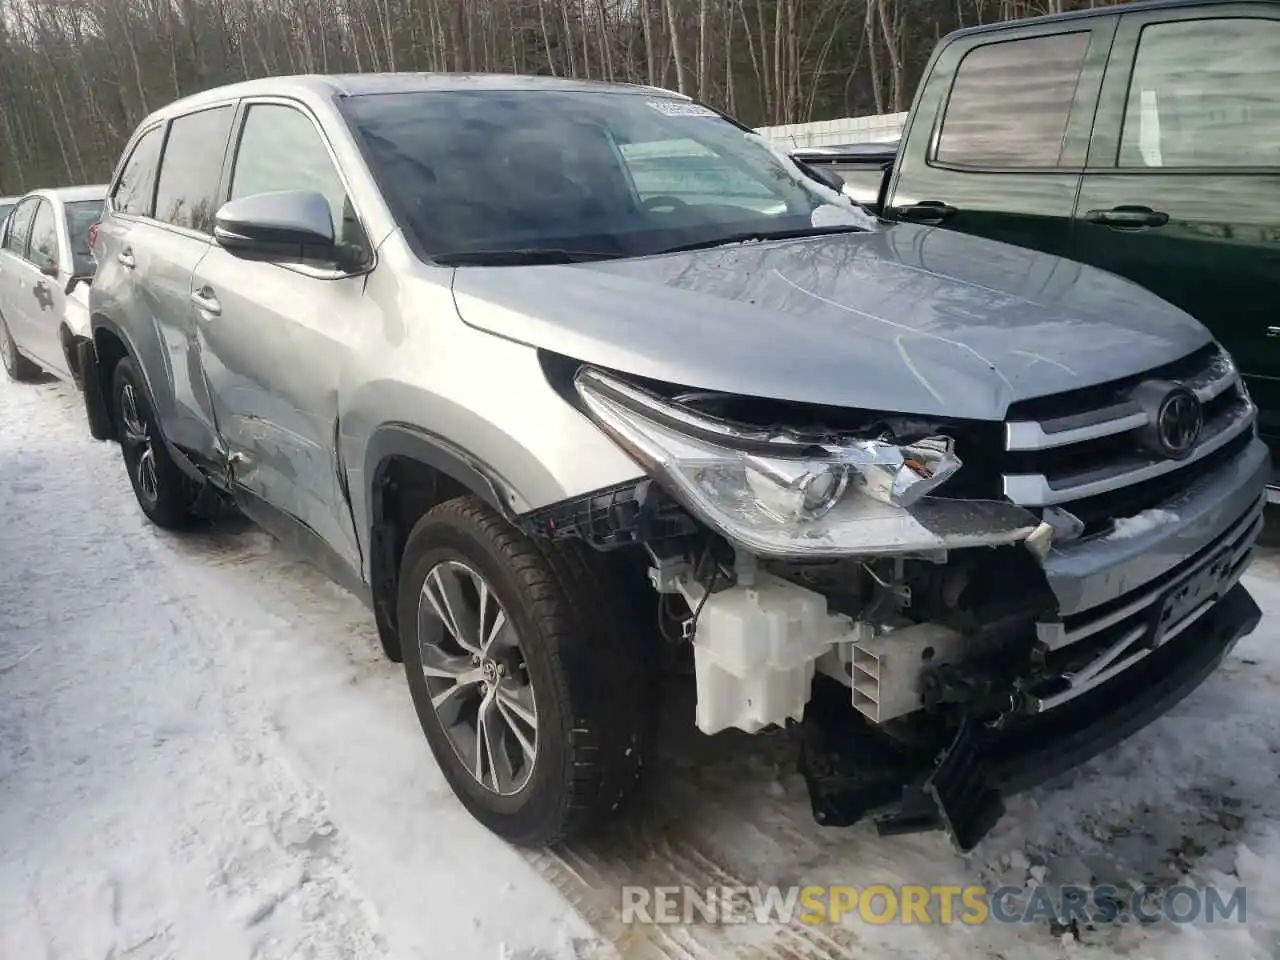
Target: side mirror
(49, 268)
(823, 174)
(287, 226)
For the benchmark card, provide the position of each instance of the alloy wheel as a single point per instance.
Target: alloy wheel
(139, 452)
(477, 677)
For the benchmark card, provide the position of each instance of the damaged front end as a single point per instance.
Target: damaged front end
(854, 580)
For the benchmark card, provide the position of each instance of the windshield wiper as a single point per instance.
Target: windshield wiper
(758, 235)
(520, 257)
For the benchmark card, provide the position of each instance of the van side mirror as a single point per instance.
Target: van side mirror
(286, 226)
(48, 266)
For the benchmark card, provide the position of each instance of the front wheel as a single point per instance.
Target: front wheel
(533, 694)
(163, 491)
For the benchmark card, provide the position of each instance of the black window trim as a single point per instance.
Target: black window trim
(935, 135)
(1145, 19)
(233, 153)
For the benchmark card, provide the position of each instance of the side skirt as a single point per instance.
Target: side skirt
(299, 538)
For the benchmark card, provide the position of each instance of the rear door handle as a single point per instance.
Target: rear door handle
(927, 211)
(125, 259)
(206, 301)
(1128, 218)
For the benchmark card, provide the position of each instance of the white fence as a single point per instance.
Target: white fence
(886, 126)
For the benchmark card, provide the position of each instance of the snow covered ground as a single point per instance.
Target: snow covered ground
(203, 754)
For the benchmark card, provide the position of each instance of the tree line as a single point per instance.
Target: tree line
(76, 76)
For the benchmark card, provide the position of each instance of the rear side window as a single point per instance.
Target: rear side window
(137, 183)
(186, 194)
(1010, 103)
(1205, 93)
(15, 238)
(44, 237)
(280, 149)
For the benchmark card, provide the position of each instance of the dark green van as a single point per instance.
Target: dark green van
(1143, 139)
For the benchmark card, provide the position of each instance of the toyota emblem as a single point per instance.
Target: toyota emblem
(1179, 420)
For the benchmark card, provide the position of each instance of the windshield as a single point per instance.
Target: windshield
(4, 211)
(81, 215)
(590, 174)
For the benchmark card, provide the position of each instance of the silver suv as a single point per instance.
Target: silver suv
(547, 371)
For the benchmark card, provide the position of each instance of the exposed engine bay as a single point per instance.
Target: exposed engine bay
(848, 580)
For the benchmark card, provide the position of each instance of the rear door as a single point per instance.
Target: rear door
(158, 240)
(1182, 191)
(275, 338)
(999, 132)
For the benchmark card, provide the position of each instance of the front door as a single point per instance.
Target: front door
(276, 338)
(1182, 190)
(15, 287)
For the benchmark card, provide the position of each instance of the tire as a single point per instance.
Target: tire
(591, 681)
(18, 367)
(163, 491)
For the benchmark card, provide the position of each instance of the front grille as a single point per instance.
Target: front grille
(1081, 450)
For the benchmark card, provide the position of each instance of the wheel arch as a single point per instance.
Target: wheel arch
(406, 472)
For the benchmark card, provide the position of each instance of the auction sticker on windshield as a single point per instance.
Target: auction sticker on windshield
(675, 108)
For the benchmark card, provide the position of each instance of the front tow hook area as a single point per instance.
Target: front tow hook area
(853, 770)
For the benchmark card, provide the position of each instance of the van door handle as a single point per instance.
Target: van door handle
(206, 301)
(125, 259)
(1128, 217)
(927, 211)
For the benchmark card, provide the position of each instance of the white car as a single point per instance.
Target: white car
(45, 270)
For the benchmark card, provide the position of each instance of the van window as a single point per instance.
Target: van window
(135, 189)
(186, 195)
(280, 149)
(1010, 103)
(1192, 106)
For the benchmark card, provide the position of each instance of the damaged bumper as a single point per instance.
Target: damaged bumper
(961, 791)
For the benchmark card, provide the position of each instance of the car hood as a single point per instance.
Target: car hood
(905, 318)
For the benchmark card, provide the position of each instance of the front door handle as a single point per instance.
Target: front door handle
(1128, 217)
(125, 259)
(206, 301)
(927, 211)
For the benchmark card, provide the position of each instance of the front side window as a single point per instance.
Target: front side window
(44, 237)
(81, 215)
(186, 194)
(280, 149)
(592, 174)
(1205, 93)
(19, 229)
(1010, 103)
(136, 187)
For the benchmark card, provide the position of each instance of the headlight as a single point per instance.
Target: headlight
(775, 496)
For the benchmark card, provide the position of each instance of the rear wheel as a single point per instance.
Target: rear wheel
(17, 366)
(163, 491)
(533, 695)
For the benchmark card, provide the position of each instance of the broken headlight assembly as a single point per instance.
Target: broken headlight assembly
(778, 496)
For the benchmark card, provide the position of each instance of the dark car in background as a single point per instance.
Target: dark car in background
(1143, 139)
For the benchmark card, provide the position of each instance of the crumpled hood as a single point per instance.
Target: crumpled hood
(907, 319)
